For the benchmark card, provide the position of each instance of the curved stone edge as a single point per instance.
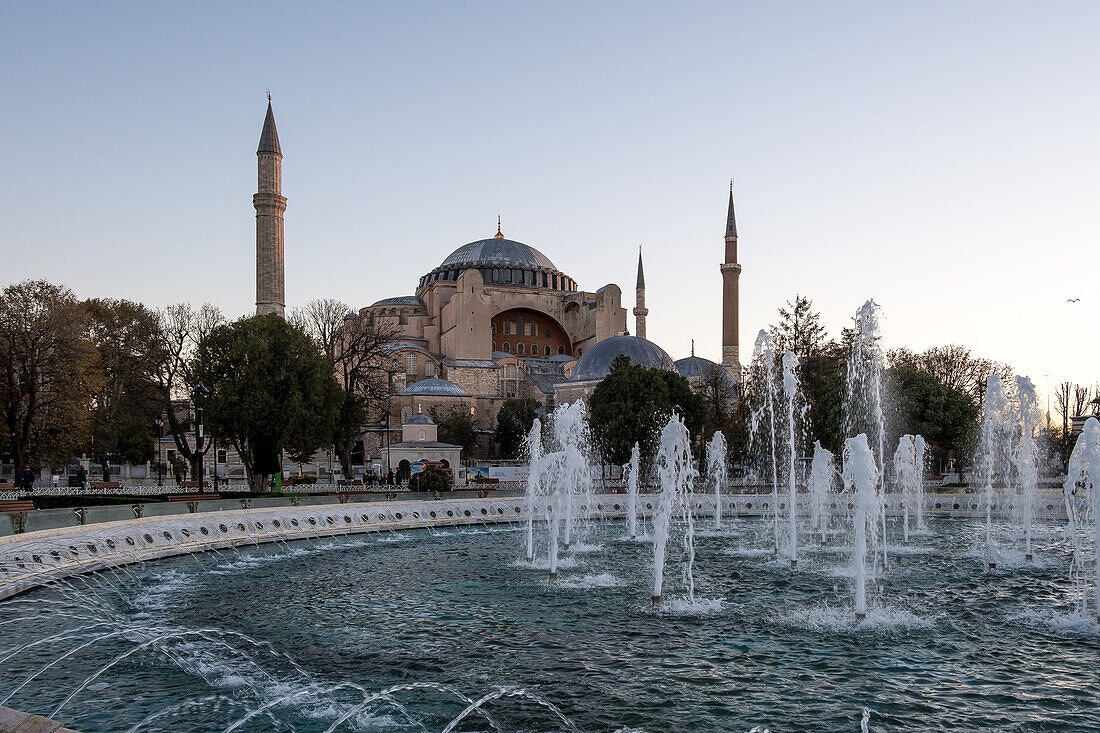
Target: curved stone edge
(17, 722)
(30, 560)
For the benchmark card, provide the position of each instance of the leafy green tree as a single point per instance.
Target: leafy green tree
(918, 403)
(433, 478)
(633, 403)
(799, 328)
(514, 421)
(455, 426)
(49, 373)
(119, 329)
(270, 389)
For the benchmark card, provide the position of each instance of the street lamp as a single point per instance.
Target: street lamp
(160, 434)
(199, 393)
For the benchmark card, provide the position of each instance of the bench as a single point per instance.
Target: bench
(104, 485)
(191, 497)
(16, 506)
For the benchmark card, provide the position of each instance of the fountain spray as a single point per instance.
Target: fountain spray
(822, 477)
(716, 471)
(565, 474)
(861, 476)
(790, 390)
(909, 466)
(863, 409)
(1026, 458)
(764, 353)
(1082, 492)
(632, 491)
(534, 452)
(991, 447)
(676, 477)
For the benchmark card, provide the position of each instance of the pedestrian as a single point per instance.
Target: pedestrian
(82, 476)
(27, 478)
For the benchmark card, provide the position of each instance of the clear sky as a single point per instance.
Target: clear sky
(940, 157)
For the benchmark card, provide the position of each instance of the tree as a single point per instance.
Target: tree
(955, 367)
(354, 345)
(514, 421)
(48, 373)
(167, 356)
(719, 393)
(270, 389)
(631, 405)
(1063, 405)
(455, 426)
(919, 403)
(119, 330)
(799, 328)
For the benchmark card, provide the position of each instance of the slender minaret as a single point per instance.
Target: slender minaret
(640, 311)
(731, 274)
(270, 206)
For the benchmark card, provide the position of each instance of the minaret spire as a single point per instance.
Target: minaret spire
(270, 206)
(731, 275)
(640, 311)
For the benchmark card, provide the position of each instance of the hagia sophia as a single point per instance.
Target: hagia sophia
(495, 319)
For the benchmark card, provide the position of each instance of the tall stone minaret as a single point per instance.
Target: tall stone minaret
(640, 311)
(270, 206)
(731, 274)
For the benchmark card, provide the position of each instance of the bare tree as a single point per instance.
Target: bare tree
(1063, 405)
(48, 373)
(1080, 399)
(956, 367)
(174, 335)
(355, 346)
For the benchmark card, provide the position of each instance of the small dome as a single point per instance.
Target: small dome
(420, 419)
(697, 366)
(595, 364)
(499, 252)
(435, 388)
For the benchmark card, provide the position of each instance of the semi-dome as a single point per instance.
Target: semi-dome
(399, 300)
(435, 388)
(595, 364)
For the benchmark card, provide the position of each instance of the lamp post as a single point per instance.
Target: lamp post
(159, 421)
(198, 396)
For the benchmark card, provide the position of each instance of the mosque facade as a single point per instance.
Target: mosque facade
(495, 319)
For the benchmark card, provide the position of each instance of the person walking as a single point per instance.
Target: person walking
(27, 479)
(82, 476)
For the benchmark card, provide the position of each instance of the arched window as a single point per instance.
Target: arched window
(519, 348)
(494, 346)
(561, 349)
(534, 329)
(547, 350)
(580, 351)
(410, 365)
(429, 369)
(506, 348)
(507, 327)
(534, 349)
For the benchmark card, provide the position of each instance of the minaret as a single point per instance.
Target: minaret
(731, 274)
(270, 205)
(640, 311)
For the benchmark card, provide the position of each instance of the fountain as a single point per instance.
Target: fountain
(534, 453)
(861, 481)
(631, 470)
(993, 446)
(822, 479)
(1026, 459)
(676, 477)
(763, 360)
(566, 474)
(792, 398)
(863, 407)
(909, 467)
(1082, 495)
(717, 471)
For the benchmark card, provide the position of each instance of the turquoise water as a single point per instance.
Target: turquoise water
(947, 645)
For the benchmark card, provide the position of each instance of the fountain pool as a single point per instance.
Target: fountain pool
(449, 616)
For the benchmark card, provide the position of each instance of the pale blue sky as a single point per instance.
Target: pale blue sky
(942, 158)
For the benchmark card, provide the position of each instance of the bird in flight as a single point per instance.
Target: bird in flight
(1073, 300)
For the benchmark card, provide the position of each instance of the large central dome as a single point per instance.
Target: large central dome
(501, 262)
(499, 252)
